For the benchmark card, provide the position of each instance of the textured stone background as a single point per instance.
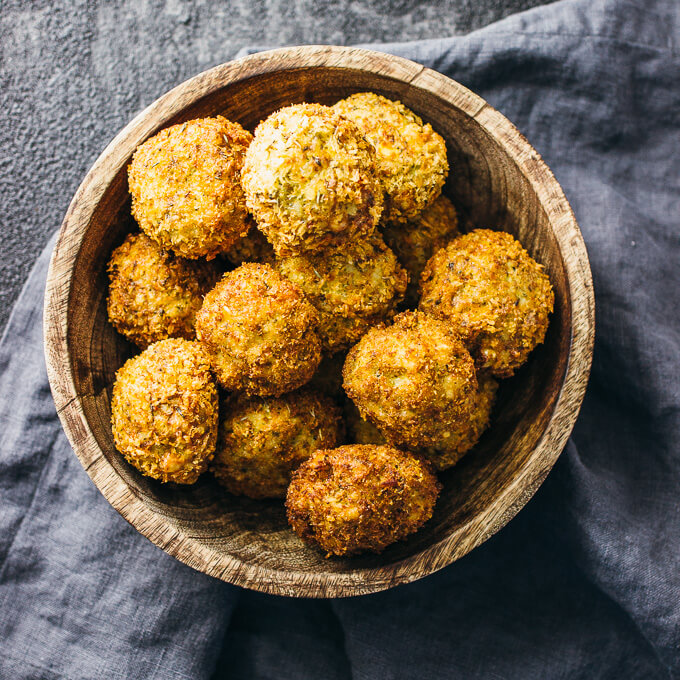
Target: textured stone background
(73, 73)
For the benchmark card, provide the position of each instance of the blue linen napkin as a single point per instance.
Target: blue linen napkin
(584, 583)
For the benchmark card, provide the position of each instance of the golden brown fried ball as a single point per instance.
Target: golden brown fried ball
(253, 247)
(328, 376)
(260, 331)
(411, 157)
(352, 288)
(310, 180)
(360, 431)
(164, 411)
(360, 498)
(415, 242)
(448, 451)
(414, 380)
(153, 294)
(493, 294)
(186, 186)
(262, 440)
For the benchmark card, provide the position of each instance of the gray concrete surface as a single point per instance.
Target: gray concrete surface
(72, 73)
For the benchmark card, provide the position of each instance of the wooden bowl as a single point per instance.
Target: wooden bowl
(496, 180)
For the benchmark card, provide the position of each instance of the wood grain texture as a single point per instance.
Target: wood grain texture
(497, 180)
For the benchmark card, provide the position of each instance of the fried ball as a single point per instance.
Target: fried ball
(446, 452)
(260, 331)
(360, 431)
(415, 242)
(411, 157)
(186, 186)
(310, 180)
(153, 294)
(164, 411)
(253, 247)
(328, 376)
(493, 294)
(360, 498)
(352, 288)
(449, 451)
(414, 380)
(262, 440)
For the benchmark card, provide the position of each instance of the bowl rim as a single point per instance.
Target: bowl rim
(479, 527)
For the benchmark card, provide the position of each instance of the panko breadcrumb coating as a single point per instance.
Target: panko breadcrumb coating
(414, 380)
(164, 411)
(153, 294)
(355, 499)
(493, 294)
(352, 288)
(415, 242)
(253, 247)
(310, 180)
(186, 186)
(360, 431)
(260, 332)
(262, 440)
(411, 156)
(450, 450)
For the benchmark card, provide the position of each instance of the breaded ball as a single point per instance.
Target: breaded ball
(262, 440)
(260, 331)
(186, 186)
(493, 294)
(310, 180)
(352, 288)
(153, 294)
(414, 380)
(328, 376)
(164, 411)
(355, 499)
(411, 157)
(415, 242)
(360, 431)
(253, 247)
(448, 451)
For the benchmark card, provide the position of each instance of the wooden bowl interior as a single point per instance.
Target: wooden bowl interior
(489, 190)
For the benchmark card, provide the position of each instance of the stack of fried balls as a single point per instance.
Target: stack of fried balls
(313, 325)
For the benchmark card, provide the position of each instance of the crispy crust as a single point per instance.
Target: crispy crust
(411, 157)
(260, 332)
(415, 242)
(186, 186)
(493, 294)
(449, 451)
(446, 452)
(164, 411)
(352, 288)
(153, 294)
(310, 180)
(355, 499)
(262, 440)
(414, 380)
